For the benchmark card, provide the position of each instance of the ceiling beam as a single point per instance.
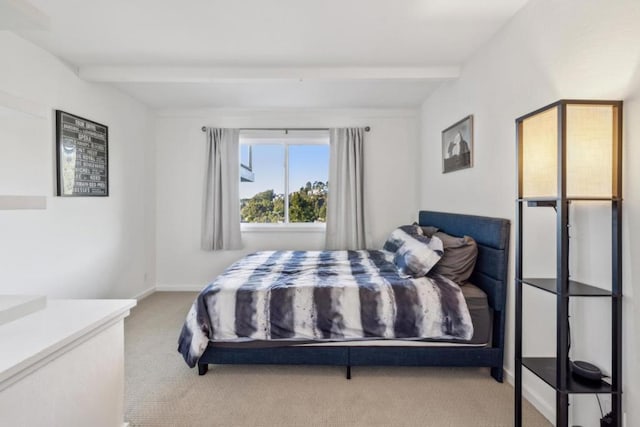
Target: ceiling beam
(169, 74)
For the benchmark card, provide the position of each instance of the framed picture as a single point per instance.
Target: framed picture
(82, 156)
(457, 145)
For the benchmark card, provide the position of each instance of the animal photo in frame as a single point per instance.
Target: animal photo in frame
(457, 145)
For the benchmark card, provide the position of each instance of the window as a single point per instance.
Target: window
(274, 164)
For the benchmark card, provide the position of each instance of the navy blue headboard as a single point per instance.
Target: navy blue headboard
(492, 237)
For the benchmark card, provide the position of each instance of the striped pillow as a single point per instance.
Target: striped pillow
(418, 255)
(400, 235)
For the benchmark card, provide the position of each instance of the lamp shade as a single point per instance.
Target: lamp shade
(573, 145)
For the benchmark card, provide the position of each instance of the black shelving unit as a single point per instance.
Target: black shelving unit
(555, 371)
(576, 289)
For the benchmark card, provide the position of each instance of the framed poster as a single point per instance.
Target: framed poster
(457, 145)
(82, 156)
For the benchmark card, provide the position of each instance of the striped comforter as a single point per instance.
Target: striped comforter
(322, 296)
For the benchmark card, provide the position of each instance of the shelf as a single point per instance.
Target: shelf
(576, 289)
(551, 179)
(11, 105)
(22, 202)
(20, 15)
(545, 369)
(571, 199)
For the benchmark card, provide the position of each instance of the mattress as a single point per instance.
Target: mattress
(477, 303)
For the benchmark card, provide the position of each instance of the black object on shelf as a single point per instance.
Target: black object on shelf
(551, 173)
(586, 372)
(545, 369)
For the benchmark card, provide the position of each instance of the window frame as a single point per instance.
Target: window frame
(284, 139)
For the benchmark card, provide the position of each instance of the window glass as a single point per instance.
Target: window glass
(308, 179)
(262, 201)
(292, 165)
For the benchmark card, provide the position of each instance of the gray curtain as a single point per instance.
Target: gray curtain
(221, 207)
(345, 206)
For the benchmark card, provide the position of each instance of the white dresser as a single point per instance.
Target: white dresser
(64, 365)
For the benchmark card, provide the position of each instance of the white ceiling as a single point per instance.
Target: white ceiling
(271, 33)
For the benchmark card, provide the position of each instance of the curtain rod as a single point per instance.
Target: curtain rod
(366, 129)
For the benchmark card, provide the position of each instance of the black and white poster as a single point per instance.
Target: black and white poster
(82, 151)
(457, 145)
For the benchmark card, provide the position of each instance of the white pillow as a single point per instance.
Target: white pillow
(418, 255)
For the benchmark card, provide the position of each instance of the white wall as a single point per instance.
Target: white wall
(550, 50)
(78, 247)
(391, 178)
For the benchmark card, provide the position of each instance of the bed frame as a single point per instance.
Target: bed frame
(490, 274)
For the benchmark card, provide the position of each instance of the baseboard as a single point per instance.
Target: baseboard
(546, 409)
(142, 295)
(179, 288)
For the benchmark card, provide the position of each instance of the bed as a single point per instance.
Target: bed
(455, 343)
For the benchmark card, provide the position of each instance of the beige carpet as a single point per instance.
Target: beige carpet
(162, 390)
